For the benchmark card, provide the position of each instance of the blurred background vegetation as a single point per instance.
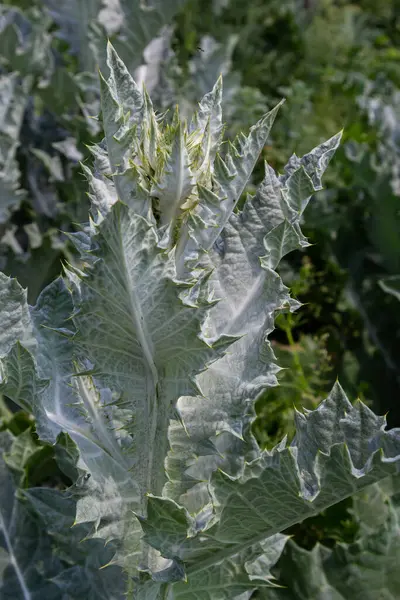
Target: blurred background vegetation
(336, 62)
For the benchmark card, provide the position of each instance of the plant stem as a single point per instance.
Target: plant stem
(296, 358)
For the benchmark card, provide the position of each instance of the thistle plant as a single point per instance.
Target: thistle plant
(142, 367)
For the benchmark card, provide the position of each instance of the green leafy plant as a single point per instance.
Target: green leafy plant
(142, 367)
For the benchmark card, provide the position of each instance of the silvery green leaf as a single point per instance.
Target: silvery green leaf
(365, 569)
(25, 42)
(34, 235)
(299, 189)
(157, 73)
(315, 162)
(123, 111)
(368, 568)
(13, 100)
(22, 448)
(305, 576)
(166, 525)
(122, 98)
(230, 176)
(207, 124)
(222, 581)
(102, 192)
(40, 557)
(15, 321)
(141, 22)
(321, 465)
(174, 185)
(142, 330)
(18, 378)
(267, 221)
(74, 19)
(373, 507)
(74, 405)
(54, 360)
(10, 239)
(214, 60)
(271, 549)
(69, 149)
(285, 486)
(391, 285)
(280, 241)
(51, 163)
(110, 16)
(171, 530)
(150, 133)
(87, 572)
(70, 404)
(13, 95)
(243, 372)
(26, 560)
(150, 590)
